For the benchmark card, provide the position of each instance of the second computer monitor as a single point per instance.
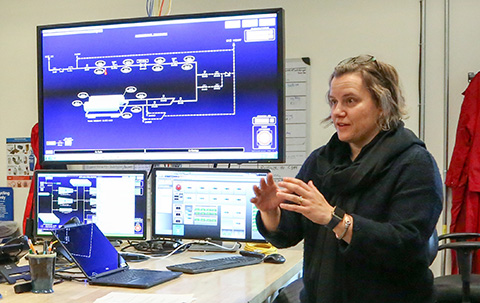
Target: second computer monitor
(114, 200)
(203, 203)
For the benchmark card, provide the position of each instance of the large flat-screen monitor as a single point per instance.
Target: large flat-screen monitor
(115, 200)
(187, 88)
(203, 203)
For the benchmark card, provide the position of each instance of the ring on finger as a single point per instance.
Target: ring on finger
(300, 200)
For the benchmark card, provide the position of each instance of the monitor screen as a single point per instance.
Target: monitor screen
(115, 200)
(195, 203)
(187, 88)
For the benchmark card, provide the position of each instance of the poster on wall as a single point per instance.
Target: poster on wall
(6, 204)
(20, 162)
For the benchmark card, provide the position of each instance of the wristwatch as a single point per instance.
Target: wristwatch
(337, 217)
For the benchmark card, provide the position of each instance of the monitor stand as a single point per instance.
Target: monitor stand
(208, 247)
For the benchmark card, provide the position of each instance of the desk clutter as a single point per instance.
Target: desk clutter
(112, 95)
(81, 252)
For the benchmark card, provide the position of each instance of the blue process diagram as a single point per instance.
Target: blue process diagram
(153, 105)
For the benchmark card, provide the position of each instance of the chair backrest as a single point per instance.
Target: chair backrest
(433, 246)
(448, 286)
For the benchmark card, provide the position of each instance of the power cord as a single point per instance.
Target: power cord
(156, 246)
(264, 248)
(223, 248)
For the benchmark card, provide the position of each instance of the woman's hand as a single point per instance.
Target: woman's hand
(267, 202)
(306, 199)
(266, 198)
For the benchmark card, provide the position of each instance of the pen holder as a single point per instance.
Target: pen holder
(42, 269)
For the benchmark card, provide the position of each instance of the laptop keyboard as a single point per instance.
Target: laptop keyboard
(215, 264)
(123, 276)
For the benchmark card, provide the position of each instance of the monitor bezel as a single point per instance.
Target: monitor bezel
(96, 171)
(281, 154)
(197, 169)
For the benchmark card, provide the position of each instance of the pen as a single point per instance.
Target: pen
(50, 247)
(31, 246)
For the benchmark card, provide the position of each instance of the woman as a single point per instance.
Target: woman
(366, 203)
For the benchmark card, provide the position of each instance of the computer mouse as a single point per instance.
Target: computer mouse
(274, 258)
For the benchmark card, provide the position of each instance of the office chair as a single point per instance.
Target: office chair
(465, 286)
(290, 293)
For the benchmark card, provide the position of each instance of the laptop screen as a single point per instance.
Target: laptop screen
(114, 200)
(92, 251)
(205, 203)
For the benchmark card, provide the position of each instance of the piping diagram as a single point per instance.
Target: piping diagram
(157, 85)
(66, 199)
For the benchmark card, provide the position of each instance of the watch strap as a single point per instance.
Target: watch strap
(337, 217)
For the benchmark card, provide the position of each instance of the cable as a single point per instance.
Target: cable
(264, 248)
(156, 246)
(158, 8)
(169, 7)
(161, 8)
(150, 171)
(176, 250)
(224, 248)
(149, 7)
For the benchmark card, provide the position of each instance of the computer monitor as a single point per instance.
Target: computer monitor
(115, 200)
(205, 203)
(188, 88)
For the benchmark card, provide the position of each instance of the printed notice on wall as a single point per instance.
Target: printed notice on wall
(297, 100)
(6, 204)
(20, 162)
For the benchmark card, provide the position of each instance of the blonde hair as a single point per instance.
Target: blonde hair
(382, 81)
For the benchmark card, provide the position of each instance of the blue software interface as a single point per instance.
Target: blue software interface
(205, 204)
(90, 248)
(199, 88)
(115, 201)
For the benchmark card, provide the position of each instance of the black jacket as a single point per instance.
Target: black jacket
(393, 191)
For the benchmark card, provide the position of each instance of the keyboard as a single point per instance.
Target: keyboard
(215, 264)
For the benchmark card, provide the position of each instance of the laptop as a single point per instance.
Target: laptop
(101, 262)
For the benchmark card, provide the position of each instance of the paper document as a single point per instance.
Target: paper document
(124, 297)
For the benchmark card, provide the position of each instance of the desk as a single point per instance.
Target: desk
(252, 284)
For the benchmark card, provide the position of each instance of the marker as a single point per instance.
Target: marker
(31, 246)
(50, 247)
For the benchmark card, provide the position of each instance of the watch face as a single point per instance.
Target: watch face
(337, 217)
(339, 213)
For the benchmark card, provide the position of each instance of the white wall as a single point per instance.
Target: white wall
(327, 31)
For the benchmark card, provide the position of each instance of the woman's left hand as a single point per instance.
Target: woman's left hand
(306, 199)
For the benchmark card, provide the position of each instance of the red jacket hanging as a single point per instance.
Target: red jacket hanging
(463, 175)
(29, 205)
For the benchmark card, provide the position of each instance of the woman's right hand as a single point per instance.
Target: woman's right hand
(266, 198)
(267, 202)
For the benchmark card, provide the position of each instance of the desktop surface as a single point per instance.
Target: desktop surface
(244, 284)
